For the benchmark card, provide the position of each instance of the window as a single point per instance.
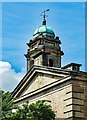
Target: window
(76, 68)
(51, 62)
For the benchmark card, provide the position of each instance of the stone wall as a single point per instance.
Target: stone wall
(67, 92)
(68, 100)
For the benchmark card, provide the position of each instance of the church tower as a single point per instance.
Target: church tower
(46, 79)
(44, 48)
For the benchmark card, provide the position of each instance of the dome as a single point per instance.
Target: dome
(45, 31)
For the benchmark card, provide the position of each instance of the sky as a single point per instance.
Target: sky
(20, 20)
(43, 0)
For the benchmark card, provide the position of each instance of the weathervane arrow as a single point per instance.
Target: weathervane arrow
(44, 16)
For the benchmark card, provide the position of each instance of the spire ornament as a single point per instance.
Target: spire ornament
(44, 16)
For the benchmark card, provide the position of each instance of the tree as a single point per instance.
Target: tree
(40, 110)
(35, 111)
(22, 112)
(1, 103)
(7, 104)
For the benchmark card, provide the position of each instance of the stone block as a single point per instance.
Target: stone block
(68, 108)
(67, 96)
(78, 95)
(69, 114)
(76, 107)
(80, 83)
(68, 102)
(82, 96)
(68, 89)
(78, 101)
(78, 114)
(82, 109)
(78, 89)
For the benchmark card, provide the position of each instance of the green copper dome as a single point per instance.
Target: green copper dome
(45, 31)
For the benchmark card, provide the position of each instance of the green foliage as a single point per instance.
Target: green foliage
(35, 111)
(40, 110)
(1, 103)
(22, 112)
(7, 104)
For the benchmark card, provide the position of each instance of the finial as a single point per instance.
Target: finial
(44, 16)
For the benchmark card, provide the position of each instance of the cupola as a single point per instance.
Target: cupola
(44, 31)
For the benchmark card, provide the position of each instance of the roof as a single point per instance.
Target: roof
(45, 31)
(71, 64)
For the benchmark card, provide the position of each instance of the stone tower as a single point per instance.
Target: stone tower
(65, 87)
(44, 48)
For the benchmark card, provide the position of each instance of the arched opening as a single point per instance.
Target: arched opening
(51, 62)
(31, 63)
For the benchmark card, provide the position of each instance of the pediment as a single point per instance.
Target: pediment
(38, 79)
(38, 82)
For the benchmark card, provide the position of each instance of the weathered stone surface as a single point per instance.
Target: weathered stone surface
(39, 81)
(68, 108)
(78, 89)
(78, 114)
(69, 114)
(68, 100)
(77, 107)
(78, 101)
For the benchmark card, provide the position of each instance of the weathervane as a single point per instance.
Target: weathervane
(44, 16)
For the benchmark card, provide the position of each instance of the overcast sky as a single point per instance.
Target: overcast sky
(19, 21)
